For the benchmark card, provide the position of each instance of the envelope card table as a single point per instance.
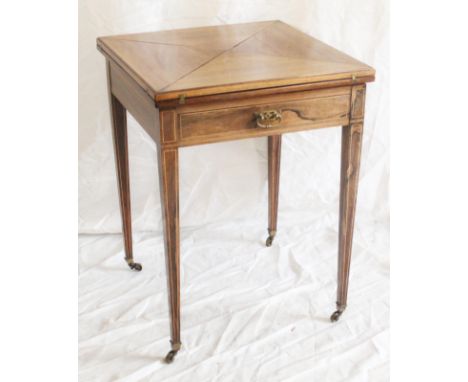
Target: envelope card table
(203, 85)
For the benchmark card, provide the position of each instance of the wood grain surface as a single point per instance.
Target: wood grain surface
(230, 58)
(120, 140)
(274, 165)
(351, 144)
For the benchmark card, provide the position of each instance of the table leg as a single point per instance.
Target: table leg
(119, 133)
(350, 160)
(274, 161)
(169, 191)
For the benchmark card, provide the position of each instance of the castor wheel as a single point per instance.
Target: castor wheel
(170, 356)
(269, 241)
(136, 266)
(271, 236)
(336, 316)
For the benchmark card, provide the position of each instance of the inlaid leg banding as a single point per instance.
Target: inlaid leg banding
(350, 160)
(351, 143)
(274, 162)
(169, 191)
(119, 134)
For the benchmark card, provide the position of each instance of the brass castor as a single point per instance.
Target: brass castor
(175, 348)
(136, 266)
(336, 316)
(271, 236)
(269, 241)
(170, 356)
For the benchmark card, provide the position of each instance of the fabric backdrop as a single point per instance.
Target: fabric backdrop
(223, 217)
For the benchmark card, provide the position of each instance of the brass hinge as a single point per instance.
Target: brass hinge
(182, 99)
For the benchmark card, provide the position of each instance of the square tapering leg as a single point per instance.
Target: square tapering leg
(274, 164)
(119, 134)
(169, 190)
(351, 143)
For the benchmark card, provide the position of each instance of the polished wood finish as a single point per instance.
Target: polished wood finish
(301, 111)
(211, 84)
(351, 143)
(256, 93)
(218, 60)
(169, 185)
(274, 164)
(350, 156)
(137, 102)
(119, 134)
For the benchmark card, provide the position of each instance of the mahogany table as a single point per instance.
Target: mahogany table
(201, 85)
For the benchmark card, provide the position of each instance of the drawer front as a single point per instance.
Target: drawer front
(264, 118)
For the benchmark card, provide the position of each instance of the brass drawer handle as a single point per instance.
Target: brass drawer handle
(268, 118)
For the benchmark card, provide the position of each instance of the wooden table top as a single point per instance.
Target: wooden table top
(229, 58)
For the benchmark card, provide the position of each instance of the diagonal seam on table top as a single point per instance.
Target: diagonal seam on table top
(154, 42)
(167, 44)
(220, 54)
(201, 51)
